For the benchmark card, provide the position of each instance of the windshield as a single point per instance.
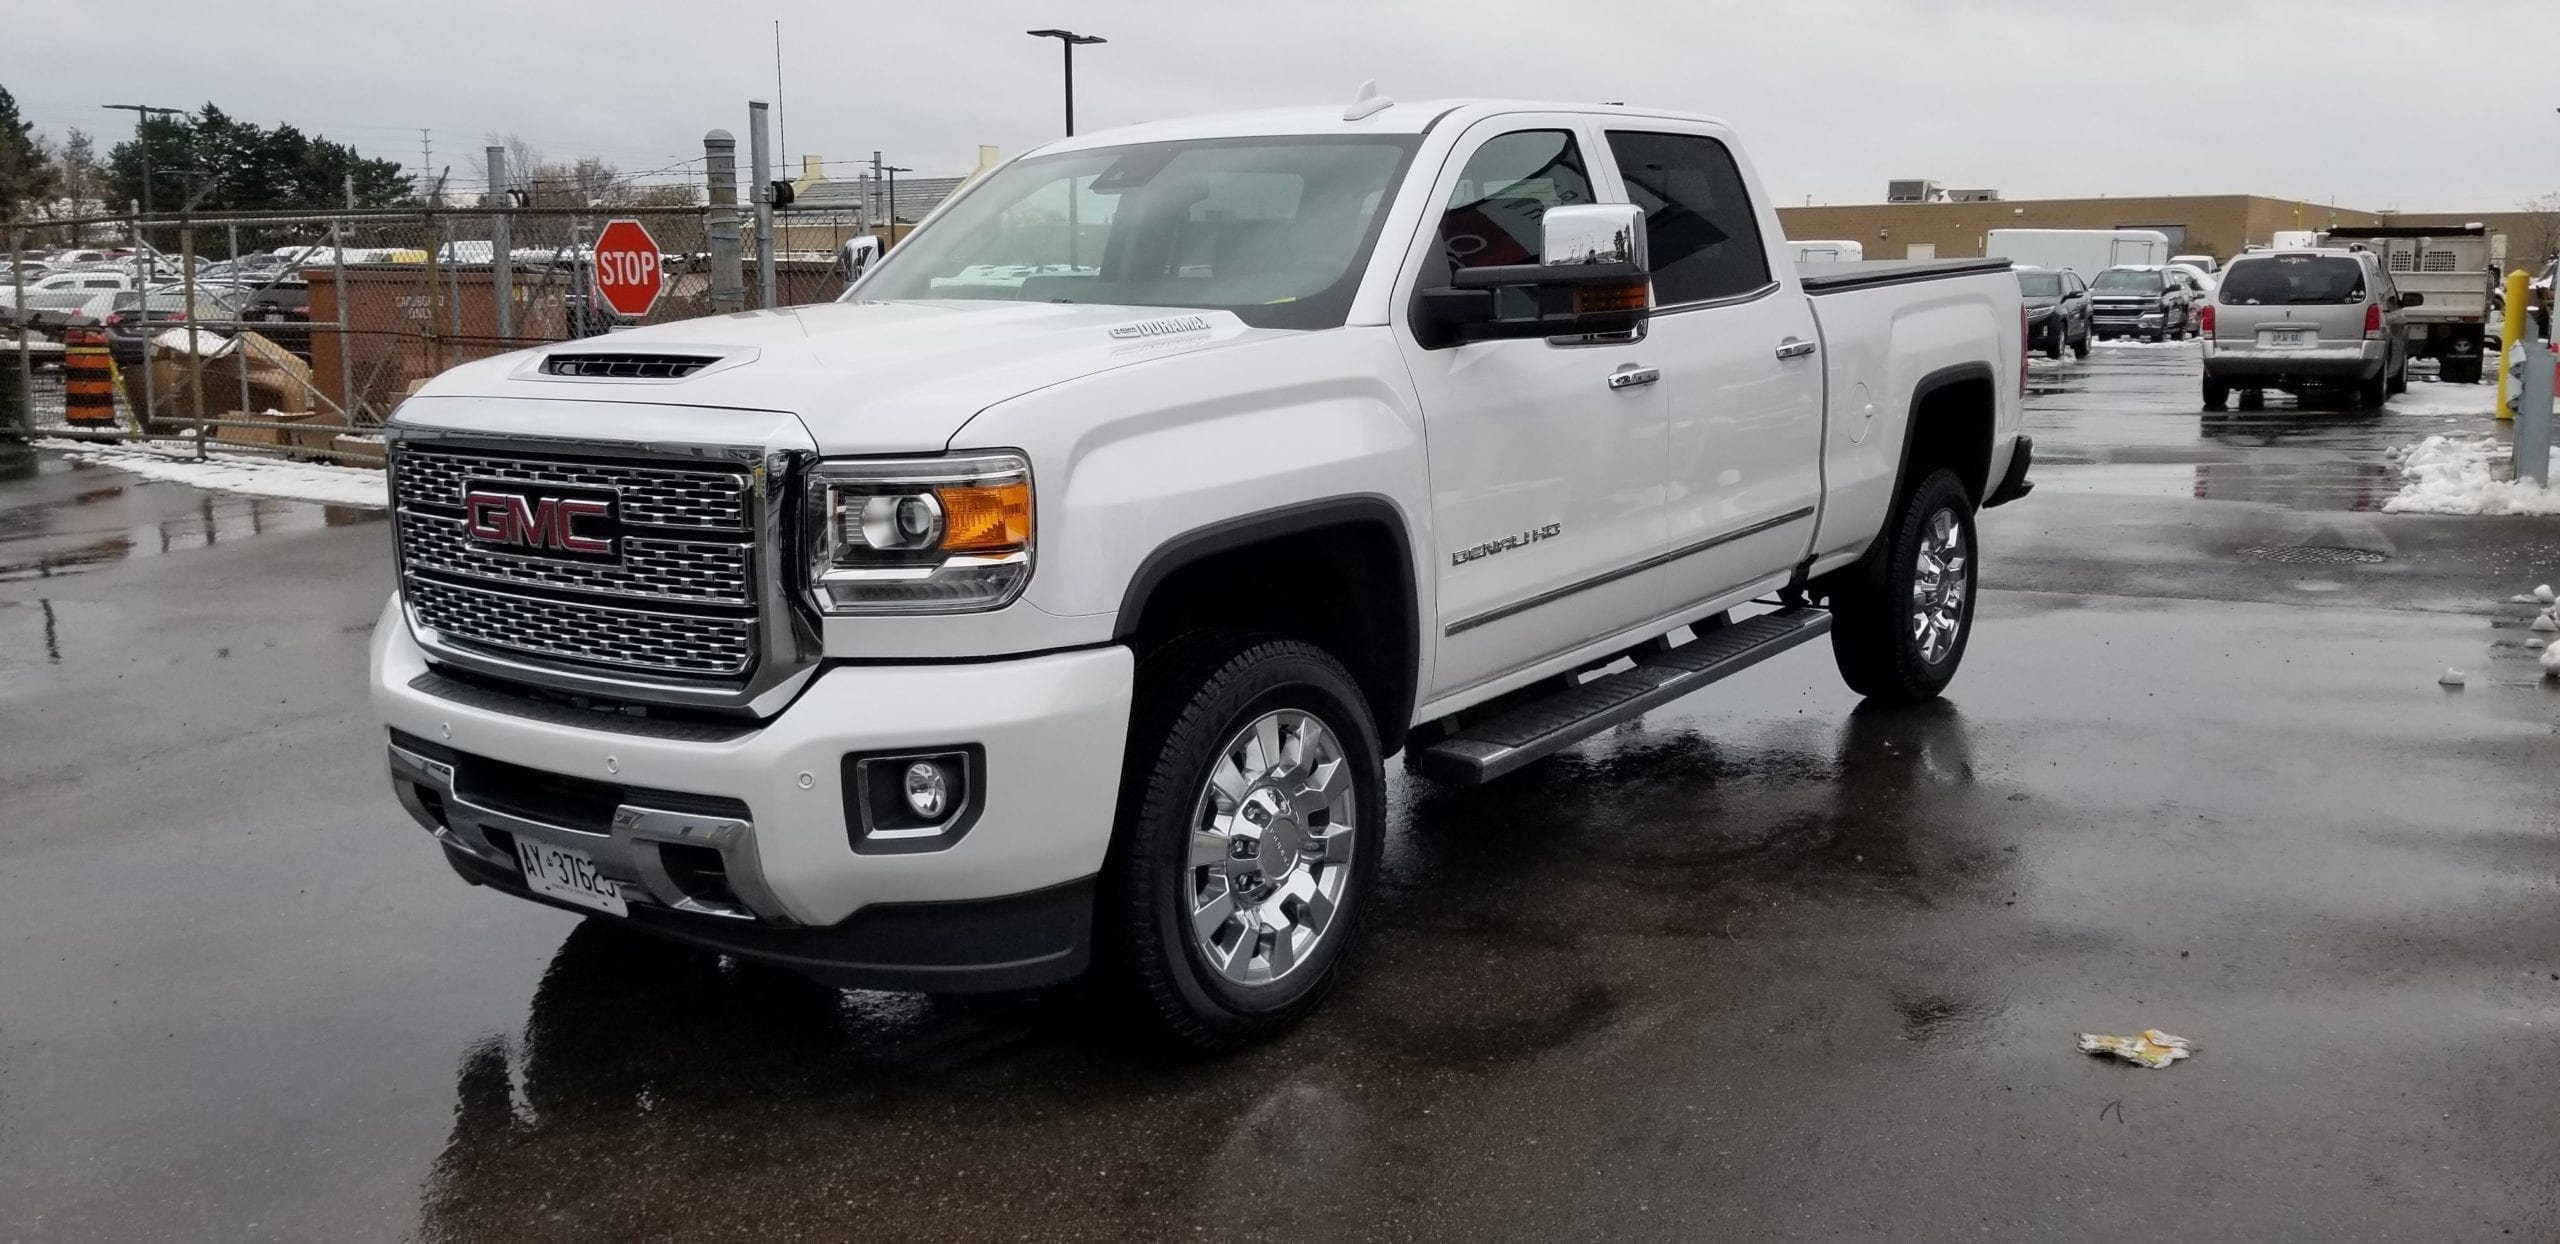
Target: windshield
(2128, 280)
(1276, 230)
(2040, 284)
(2293, 280)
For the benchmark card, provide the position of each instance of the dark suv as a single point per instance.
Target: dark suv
(2057, 311)
(2143, 300)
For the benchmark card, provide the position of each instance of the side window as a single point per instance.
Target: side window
(1697, 217)
(1502, 193)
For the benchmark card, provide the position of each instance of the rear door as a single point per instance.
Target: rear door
(1738, 352)
(2292, 301)
(1546, 477)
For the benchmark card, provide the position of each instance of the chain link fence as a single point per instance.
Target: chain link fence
(298, 334)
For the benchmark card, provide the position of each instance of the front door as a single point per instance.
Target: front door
(1741, 368)
(1546, 479)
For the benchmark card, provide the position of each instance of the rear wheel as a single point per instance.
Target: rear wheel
(1251, 813)
(2253, 399)
(2371, 394)
(2460, 370)
(1901, 616)
(2216, 393)
(2400, 380)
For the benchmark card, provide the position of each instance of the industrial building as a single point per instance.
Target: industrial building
(1952, 223)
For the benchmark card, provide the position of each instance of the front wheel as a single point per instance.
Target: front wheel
(1251, 812)
(1900, 617)
(2080, 348)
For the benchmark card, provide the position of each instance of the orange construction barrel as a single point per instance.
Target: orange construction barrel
(88, 378)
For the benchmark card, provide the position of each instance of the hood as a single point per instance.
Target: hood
(865, 377)
(2041, 304)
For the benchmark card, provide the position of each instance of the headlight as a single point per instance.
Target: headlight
(919, 535)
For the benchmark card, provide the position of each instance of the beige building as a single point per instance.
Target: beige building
(2212, 224)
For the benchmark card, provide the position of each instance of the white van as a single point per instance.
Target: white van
(2085, 251)
(1829, 251)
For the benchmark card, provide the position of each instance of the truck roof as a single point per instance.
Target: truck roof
(1406, 117)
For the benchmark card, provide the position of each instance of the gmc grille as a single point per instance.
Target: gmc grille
(677, 596)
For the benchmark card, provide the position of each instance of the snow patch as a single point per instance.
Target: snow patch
(2130, 343)
(220, 472)
(2425, 398)
(2454, 475)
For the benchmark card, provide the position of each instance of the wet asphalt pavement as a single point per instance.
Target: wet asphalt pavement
(1763, 964)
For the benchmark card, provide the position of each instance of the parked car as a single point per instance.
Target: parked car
(1310, 485)
(51, 290)
(2057, 311)
(2306, 319)
(76, 258)
(131, 318)
(2205, 264)
(2142, 300)
(279, 310)
(2201, 279)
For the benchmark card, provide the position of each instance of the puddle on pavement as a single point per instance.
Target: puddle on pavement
(2351, 486)
(36, 635)
(88, 527)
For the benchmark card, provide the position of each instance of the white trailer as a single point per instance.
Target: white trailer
(1835, 250)
(2085, 251)
(2453, 267)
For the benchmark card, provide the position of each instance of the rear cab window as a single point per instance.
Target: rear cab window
(1698, 220)
(2292, 280)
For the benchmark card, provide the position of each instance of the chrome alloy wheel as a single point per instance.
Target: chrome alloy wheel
(1271, 840)
(1938, 587)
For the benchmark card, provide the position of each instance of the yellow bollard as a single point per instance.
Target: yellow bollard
(2517, 286)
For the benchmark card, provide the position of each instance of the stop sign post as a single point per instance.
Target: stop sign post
(629, 275)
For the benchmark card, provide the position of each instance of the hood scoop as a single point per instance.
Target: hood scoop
(625, 364)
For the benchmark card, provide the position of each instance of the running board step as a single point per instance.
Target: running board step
(1491, 748)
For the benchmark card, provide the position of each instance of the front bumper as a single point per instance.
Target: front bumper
(2102, 320)
(2339, 364)
(655, 803)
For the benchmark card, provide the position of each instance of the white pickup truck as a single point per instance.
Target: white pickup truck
(968, 634)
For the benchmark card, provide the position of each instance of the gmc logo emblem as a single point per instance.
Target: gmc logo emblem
(575, 526)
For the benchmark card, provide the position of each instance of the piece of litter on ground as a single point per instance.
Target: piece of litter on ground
(2450, 678)
(2154, 1049)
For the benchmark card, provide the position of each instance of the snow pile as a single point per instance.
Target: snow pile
(257, 477)
(2453, 475)
(2135, 343)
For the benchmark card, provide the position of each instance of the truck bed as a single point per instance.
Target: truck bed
(1831, 278)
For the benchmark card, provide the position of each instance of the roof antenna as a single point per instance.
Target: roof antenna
(1367, 103)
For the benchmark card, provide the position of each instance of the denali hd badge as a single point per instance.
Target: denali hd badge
(1491, 547)
(568, 524)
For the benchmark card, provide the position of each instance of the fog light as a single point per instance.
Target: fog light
(928, 791)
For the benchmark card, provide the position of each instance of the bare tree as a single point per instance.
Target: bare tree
(2538, 233)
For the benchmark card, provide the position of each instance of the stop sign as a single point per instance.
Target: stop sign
(629, 277)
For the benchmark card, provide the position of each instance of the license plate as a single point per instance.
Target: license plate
(2285, 338)
(567, 875)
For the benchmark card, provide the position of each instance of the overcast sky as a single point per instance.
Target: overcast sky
(2375, 103)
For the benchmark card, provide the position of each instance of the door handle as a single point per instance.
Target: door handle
(1792, 348)
(1630, 375)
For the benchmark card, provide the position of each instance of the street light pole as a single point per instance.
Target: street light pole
(892, 170)
(142, 140)
(1067, 41)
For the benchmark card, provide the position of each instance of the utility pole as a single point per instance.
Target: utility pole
(873, 189)
(142, 114)
(427, 160)
(502, 276)
(1067, 41)
(720, 163)
(760, 176)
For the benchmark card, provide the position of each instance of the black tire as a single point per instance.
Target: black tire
(2216, 393)
(2253, 399)
(2399, 381)
(2460, 370)
(2080, 348)
(1192, 698)
(2156, 336)
(2053, 350)
(2371, 394)
(1871, 615)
